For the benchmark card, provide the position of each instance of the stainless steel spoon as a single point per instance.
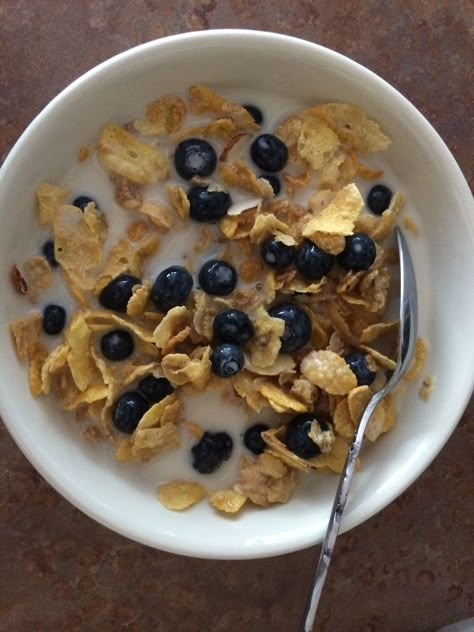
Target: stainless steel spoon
(406, 347)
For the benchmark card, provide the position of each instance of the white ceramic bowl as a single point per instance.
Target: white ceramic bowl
(439, 199)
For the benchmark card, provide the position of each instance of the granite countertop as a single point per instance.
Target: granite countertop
(409, 568)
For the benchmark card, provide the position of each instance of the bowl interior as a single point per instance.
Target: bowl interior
(241, 64)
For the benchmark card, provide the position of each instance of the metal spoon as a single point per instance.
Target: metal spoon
(406, 347)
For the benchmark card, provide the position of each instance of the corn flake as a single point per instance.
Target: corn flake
(179, 200)
(137, 302)
(173, 329)
(50, 199)
(163, 116)
(266, 224)
(238, 174)
(181, 369)
(159, 214)
(258, 483)
(329, 372)
(151, 441)
(204, 101)
(317, 143)
(179, 495)
(227, 500)
(339, 216)
(265, 344)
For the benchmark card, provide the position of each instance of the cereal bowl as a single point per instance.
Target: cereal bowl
(235, 64)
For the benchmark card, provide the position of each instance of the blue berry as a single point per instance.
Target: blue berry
(298, 440)
(217, 277)
(358, 254)
(129, 409)
(297, 326)
(255, 113)
(276, 254)
(226, 360)
(379, 198)
(82, 201)
(171, 288)
(358, 365)
(117, 345)
(212, 450)
(54, 319)
(118, 292)
(232, 325)
(253, 438)
(208, 206)
(194, 157)
(269, 153)
(48, 253)
(312, 262)
(154, 389)
(274, 182)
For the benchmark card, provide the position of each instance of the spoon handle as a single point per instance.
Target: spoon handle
(335, 518)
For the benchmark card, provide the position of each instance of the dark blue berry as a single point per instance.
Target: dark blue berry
(118, 292)
(269, 153)
(378, 199)
(358, 254)
(208, 206)
(171, 288)
(217, 277)
(253, 438)
(274, 182)
(117, 345)
(233, 325)
(255, 113)
(194, 157)
(312, 262)
(48, 253)
(297, 326)
(227, 359)
(276, 254)
(129, 409)
(212, 450)
(154, 389)
(54, 319)
(298, 440)
(82, 201)
(358, 365)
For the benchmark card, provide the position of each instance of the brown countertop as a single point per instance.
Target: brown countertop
(408, 569)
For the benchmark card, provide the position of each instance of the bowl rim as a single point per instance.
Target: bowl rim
(265, 549)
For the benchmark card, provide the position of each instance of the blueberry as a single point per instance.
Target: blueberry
(276, 254)
(212, 450)
(233, 325)
(117, 293)
(358, 254)
(82, 201)
(378, 199)
(255, 113)
(171, 288)
(129, 409)
(253, 438)
(227, 359)
(297, 326)
(208, 206)
(274, 182)
(194, 157)
(217, 277)
(54, 319)
(117, 345)
(154, 389)
(358, 365)
(312, 262)
(269, 153)
(48, 253)
(298, 440)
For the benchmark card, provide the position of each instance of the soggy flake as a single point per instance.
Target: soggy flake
(353, 126)
(178, 200)
(55, 361)
(337, 172)
(122, 154)
(94, 393)
(205, 240)
(38, 273)
(367, 173)
(265, 344)
(382, 419)
(336, 459)
(101, 317)
(342, 420)
(339, 216)
(163, 116)
(164, 412)
(251, 270)
(410, 225)
(260, 486)
(127, 194)
(244, 386)
(179, 495)
(206, 310)
(80, 361)
(329, 372)
(227, 500)
(427, 388)
(159, 214)
(222, 128)
(26, 333)
(204, 101)
(265, 226)
(238, 226)
(379, 227)
(289, 132)
(357, 401)
(282, 364)
(372, 332)
(139, 299)
(295, 182)
(381, 359)
(333, 244)
(181, 369)
(300, 286)
(238, 174)
(317, 143)
(85, 152)
(151, 441)
(418, 362)
(79, 232)
(274, 438)
(173, 329)
(279, 399)
(324, 439)
(137, 230)
(306, 392)
(50, 199)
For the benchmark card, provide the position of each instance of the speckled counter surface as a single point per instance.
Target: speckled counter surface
(408, 569)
